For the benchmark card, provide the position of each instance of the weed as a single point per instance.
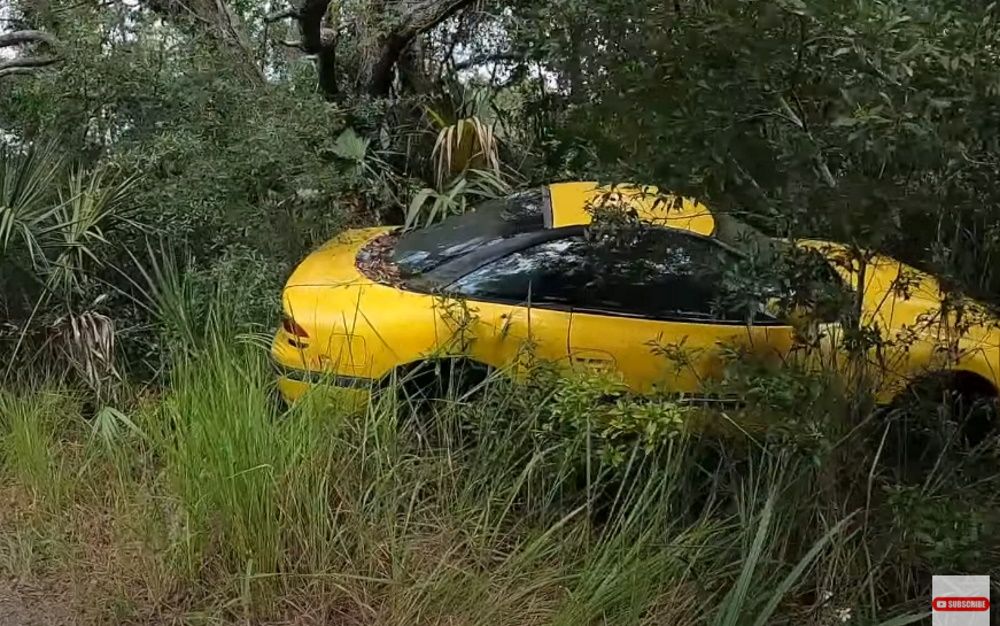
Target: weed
(572, 503)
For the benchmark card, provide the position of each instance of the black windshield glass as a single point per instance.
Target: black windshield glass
(425, 249)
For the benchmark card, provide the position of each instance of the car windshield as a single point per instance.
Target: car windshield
(494, 220)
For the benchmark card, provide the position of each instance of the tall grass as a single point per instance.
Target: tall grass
(30, 444)
(216, 502)
(225, 457)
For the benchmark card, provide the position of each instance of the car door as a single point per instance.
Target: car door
(658, 314)
(645, 312)
(519, 305)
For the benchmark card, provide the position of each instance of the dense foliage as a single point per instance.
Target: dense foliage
(164, 163)
(870, 121)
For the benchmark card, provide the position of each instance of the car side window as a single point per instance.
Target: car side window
(552, 272)
(663, 273)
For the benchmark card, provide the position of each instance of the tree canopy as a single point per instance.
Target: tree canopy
(165, 163)
(256, 129)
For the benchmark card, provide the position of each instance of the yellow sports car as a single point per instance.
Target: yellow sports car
(532, 274)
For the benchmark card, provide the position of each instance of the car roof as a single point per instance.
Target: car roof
(542, 210)
(570, 202)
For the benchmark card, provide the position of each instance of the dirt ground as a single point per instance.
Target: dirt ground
(22, 605)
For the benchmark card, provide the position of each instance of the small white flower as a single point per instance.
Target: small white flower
(844, 615)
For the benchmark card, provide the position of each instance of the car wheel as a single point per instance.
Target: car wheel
(432, 391)
(939, 419)
(452, 380)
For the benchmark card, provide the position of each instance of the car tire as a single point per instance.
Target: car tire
(952, 415)
(452, 380)
(428, 389)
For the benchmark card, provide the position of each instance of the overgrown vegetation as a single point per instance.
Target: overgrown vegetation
(203, 500)
(163, 164)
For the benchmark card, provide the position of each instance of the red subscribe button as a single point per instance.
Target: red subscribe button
(961, 604)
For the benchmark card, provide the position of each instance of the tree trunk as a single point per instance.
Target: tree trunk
(400, 23)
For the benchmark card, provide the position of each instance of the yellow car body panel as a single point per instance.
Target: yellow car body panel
(351, 398)
(679, 357)
(570, 202)
(919, 336)
(361, 331)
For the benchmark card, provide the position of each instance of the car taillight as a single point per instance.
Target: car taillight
(293, 329)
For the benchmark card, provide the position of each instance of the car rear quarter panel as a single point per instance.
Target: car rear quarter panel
(360, 330)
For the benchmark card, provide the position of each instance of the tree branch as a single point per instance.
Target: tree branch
(414, 17)
(16, 70)
(218, 20)
(408, 19)
(21, 37)
(314, 39)
(310, 18)
(283, 14)
(422, 15)
(26, 64)
(484, 59)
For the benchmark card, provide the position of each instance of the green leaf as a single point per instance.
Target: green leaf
(351, 147)
(416, 205)
(793, 576)
(734, 602)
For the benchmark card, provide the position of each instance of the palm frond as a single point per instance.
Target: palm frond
(28, 204)
(351, 146)
(467, 144)
(431, 205)
(87, 342)
(52, 221)
(87, 203)
(167, 292)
